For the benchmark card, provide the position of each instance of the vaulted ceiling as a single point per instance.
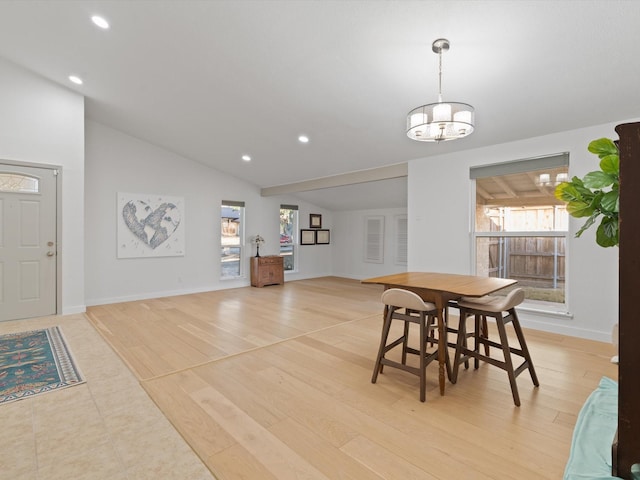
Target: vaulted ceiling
(214, 80)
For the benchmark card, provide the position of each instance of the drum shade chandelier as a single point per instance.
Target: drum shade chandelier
(442, 121)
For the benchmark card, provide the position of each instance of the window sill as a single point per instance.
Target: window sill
(550, 311)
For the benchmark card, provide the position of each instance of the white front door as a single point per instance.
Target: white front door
(27, 242)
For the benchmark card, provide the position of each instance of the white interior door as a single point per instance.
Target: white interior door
(27, 242)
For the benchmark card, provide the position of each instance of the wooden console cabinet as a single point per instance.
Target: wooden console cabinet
(267, 271)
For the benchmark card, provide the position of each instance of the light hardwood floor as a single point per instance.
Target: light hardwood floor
(105, 429)
(275, 383)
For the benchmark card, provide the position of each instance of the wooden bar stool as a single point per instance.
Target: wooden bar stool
(415, 311)
(493, 306)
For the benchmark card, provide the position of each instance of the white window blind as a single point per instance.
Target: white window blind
(374, 239)
(401, 239)
(520, 166)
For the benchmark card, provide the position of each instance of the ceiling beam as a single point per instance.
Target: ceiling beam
(361, 176)
(523, 202)
(534, 180)
(502, 184)
(483, 193)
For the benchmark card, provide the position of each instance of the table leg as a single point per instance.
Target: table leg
(442, 342)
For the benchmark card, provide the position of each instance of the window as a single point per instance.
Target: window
(288, 230)
(18, 183)
(231, 239)
(520, 228)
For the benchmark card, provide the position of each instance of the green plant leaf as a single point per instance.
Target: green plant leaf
(596, 198)
(558, 191)
(572, 191)
(577, 208)
(598, 179)
(586, 193)
(611, 164)
(567, 192)
(610, 201)
(607, 232)
(603, 147)
(591, 197)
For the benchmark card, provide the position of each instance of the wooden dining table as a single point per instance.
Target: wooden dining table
(439, 289)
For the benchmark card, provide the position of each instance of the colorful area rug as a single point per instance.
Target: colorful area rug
(35, 362)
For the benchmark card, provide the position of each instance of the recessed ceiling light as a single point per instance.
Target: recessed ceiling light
(75, 79)
(246, 158)
(101, 22)
(303, 139)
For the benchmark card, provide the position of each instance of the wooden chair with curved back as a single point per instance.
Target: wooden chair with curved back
(496, 307)
(409, 308)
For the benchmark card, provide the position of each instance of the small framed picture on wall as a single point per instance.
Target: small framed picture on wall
(307, 237)
(322, 237)
(315, 220)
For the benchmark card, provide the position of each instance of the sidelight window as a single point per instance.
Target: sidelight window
(231, 239)
(288, 236)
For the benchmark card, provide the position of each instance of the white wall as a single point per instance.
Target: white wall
(348, 244)
(42, 122)
(313, 260)
(117, 162)
(440, 197)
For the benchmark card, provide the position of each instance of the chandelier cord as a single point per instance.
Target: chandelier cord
(440, 76)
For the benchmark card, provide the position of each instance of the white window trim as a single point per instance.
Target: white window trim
(295, 239)
(242, 271)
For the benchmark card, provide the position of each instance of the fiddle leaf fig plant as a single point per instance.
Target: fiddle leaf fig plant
(596, 194)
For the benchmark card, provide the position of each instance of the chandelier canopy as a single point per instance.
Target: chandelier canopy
(441, 121)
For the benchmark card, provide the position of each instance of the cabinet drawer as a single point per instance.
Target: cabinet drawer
(275, 260)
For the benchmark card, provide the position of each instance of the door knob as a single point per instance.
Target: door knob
(50, 254)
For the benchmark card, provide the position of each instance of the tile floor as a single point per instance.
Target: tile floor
(106, 428)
